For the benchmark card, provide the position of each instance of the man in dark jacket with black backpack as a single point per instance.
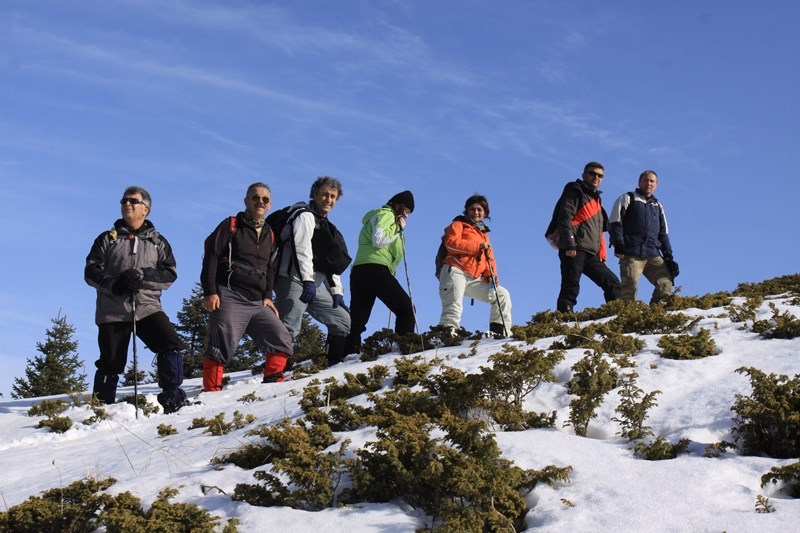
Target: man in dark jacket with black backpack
(641, 241)
(237, 291)
(313, 256)
(577, 231)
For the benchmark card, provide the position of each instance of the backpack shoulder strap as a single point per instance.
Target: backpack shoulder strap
(232, 222)
(624, 210)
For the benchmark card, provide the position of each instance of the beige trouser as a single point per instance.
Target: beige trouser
(455, 284)
(653, 268)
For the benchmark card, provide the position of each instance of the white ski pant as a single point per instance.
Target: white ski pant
(455, 284)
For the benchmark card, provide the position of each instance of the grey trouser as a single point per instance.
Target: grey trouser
(287, 300)
(237, 316)
(653, 268)
(455, 284)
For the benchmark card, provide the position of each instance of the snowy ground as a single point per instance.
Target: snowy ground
(610, 490)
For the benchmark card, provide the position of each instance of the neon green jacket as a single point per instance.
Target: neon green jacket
(380, 240)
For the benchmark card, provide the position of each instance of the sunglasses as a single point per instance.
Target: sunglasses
(132, 201)
(595, 174)
(262, 199)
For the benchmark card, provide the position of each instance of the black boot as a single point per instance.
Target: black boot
(352, 344)
(172, 400)
(336, 349)
(497, 330)
(105, 387)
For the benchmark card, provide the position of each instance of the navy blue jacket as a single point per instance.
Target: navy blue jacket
(639, 226)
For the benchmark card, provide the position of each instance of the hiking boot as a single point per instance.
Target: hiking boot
(172, 401)
(336, 350)
(496, 331)
(273, 378)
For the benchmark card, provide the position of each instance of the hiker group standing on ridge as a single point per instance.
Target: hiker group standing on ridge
(261, 274)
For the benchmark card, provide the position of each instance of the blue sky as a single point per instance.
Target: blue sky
(195, 100)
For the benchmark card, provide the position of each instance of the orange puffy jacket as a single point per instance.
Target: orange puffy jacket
(463, 238)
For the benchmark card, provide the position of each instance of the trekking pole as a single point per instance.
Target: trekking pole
(410, 296)
(135, 366)
(496, 295)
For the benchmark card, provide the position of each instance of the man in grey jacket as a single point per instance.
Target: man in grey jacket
(133, 263)
(307, 281)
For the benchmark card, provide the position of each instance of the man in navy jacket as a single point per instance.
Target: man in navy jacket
(640, 239)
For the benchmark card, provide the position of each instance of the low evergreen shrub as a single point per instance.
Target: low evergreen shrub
(413, 343)
(314, 475)
(250, 398)
(615, 342)
(643, 319)
(515, 373)
(688, 346)
(716, 449)
(85, 506)
(165, 430)
(147, 408)
(768, 421)
(411, 371)
(98, 413)
(706, 301)
(779, 285)
(446, 336)
(542, 325)
(781, 326)
(661, 450)
(57, 424)
(217, 426)
(789, 475)
(459, 480)
(746, 310)
(379, 343)
(48, 408)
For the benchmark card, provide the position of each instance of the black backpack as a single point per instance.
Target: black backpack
(441, 253)
(277, 220)
(327, 244)
(329, 247)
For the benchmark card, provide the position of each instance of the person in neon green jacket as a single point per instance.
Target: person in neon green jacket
(380, 250)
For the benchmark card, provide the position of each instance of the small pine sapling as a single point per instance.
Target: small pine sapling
(633, 408)
(592, 378)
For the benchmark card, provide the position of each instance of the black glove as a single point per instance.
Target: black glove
(672, 266)
(128, 282)
(309, 292)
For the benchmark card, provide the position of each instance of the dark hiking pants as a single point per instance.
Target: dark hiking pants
(368, 282)
(590, 266)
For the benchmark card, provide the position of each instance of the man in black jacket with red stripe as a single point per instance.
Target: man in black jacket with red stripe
(577, 231)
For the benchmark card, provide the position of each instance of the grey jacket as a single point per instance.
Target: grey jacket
(118, 250)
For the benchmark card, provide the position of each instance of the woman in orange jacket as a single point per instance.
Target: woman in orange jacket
(470, 269)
